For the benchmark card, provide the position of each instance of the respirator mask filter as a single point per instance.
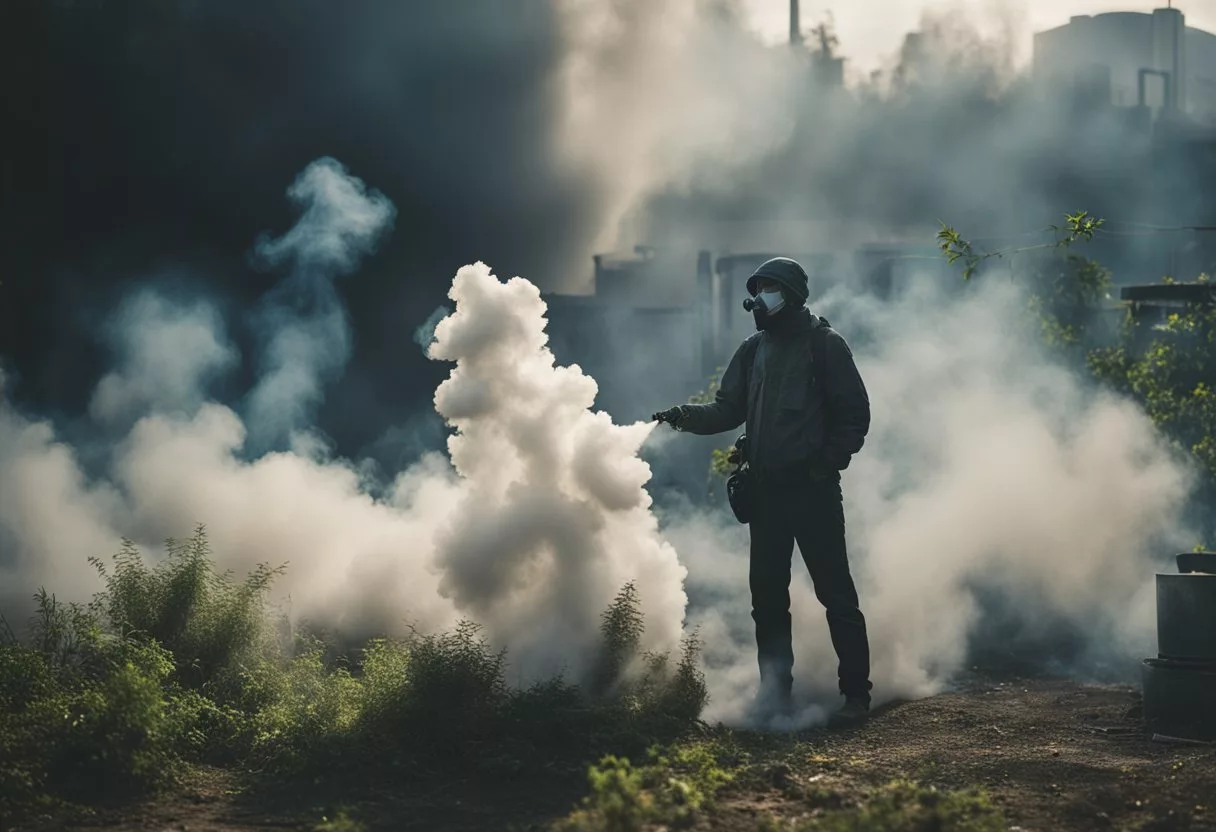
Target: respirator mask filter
(764, 305)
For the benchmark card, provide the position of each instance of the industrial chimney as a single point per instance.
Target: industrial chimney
(795, 24)
(1169, 53)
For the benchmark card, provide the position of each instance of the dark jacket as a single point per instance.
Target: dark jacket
(798, 420)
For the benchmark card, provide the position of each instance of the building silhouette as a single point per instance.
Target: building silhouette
(664, 318)
(1132, 59)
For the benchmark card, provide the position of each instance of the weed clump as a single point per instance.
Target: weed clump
(670, 789)
(645, 683)
(904, 806)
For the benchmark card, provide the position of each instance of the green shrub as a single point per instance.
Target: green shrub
(340, 822)
(107, 737)
(302, 708)
(111, 739)
(645, 684)
(204, 730)
(175, 663)
(433, 691)
(210, 623)
(670, 790)
(24, 678)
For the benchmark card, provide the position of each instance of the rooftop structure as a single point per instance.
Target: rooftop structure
(1132, 59)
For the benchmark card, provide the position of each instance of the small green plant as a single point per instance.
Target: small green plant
(621, 634)
(719, 465)
(340, 822)
(903, 806)
(671, 789)
(646, 684)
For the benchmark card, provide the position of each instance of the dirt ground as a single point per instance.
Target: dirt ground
(1054, 755)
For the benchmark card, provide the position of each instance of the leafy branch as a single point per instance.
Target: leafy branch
(1078, 227)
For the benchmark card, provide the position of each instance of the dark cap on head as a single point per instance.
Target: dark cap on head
(789, 273)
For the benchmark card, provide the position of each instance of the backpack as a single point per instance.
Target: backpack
(819, 339)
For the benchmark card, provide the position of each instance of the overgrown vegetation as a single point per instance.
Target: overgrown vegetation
(1171, 371)
(674, 786)
(176, 663)
(899, 807)
(1167, 364)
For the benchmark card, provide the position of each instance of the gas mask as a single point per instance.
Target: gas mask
(764, 305)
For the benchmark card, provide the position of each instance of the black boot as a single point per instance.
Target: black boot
(770, 701)
(854, 711)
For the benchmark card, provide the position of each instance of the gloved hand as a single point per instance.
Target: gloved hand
(672, 416)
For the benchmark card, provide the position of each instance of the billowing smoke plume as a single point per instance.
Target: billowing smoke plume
(554, 518)
(309, 339)
(651, 98)
(712, 140)
(535, 521)
(996, 481)
(630, 121)
(989, 465)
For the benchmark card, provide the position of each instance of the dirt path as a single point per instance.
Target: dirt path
(1054, 756)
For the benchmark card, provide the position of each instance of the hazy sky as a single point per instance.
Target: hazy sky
(871, 30)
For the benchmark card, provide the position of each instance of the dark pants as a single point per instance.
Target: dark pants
(812, 513)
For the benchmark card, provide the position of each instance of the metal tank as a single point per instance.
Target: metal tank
(1180, 684)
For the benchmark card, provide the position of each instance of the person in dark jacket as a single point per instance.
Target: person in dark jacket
(804, 424)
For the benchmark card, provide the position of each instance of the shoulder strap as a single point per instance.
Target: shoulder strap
(753, 344)
(819, 340)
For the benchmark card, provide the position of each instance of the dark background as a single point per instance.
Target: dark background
(150, 141)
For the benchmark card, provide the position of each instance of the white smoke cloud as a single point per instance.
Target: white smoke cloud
(52, 518)
(341, 222)
(555, 518)
(168, 354)
(988, 463)
(531, 526)
(655, 94)
(1026, 477)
